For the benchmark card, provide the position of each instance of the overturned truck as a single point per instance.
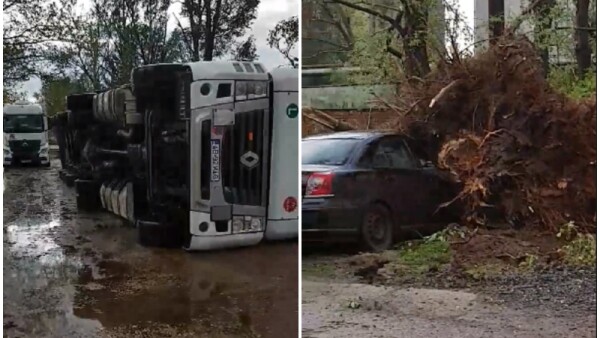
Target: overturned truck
(200, 155)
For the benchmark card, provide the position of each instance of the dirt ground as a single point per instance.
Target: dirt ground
(348, 294)
(68, 274)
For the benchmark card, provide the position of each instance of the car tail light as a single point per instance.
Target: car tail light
(319, 184)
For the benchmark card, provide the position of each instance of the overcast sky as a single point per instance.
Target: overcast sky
(269, 13)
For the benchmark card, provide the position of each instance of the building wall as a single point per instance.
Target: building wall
(558, 54)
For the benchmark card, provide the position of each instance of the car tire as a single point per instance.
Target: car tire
(47, 165)
(377, 232)
(154, 234)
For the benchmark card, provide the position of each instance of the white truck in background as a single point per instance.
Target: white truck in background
(25, 134)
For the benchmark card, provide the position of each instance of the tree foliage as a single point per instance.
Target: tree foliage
(54, 91)
(212, 26)
(246, 50)
(284, 37)
(116, 36)
(30, 28)
(328, 32)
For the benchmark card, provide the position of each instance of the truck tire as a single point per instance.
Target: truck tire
(154, 234)
(69, 180)
(87, 195)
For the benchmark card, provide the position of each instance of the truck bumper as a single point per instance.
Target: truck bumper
(205, 243)
(35, 158)
(281, 229)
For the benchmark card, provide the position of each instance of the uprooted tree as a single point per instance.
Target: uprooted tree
(513, 141)
(523, 151)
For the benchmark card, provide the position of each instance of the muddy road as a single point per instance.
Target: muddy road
(337, 303)
(68, 274)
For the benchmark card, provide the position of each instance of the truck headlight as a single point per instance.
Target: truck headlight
(44, 148)
(255, 224)
(237, 224)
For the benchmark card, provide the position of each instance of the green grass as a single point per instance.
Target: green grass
(323, 270)
(424, 256)
(581, 251)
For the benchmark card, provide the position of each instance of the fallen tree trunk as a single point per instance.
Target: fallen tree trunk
(327, 121)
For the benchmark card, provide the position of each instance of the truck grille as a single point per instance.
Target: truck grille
(242, 159)
(24, 147)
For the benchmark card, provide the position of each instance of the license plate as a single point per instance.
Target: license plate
(25, 161)
(215, 159)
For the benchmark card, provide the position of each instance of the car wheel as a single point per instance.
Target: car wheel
(377, 231)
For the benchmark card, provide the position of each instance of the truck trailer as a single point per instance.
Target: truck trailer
(201, 155)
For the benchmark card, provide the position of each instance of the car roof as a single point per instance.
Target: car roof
(353, 134)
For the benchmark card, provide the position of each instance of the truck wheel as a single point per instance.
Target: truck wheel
(154, 234)
(69, 180)
(87, 195)
(377, 233)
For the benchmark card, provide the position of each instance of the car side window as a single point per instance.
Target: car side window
(392, 153)
(366, 159)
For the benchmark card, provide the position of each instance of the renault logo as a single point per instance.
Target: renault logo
(249, 159)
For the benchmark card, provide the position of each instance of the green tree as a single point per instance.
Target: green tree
(116, 36)
(54, 91)
(284, 37)
(30, 29)
(327, 32)
(211, 26)
(246, 50)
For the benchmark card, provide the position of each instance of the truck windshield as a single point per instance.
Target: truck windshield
(327, 151)
(23, 123)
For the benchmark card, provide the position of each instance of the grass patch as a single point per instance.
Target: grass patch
(424, 256)
(580, 248)
(485, 271)
(581, 251)
(322, 270)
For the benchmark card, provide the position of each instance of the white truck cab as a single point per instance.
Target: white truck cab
(25, 134)
(243, 155)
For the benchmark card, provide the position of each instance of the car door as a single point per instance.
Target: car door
(394, 177)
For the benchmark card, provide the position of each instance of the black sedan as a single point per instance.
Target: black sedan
(368, 186)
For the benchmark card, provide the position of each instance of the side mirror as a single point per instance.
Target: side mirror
(426, 164)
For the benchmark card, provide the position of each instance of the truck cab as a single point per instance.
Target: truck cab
(25, 134)
(200, 155)
(243, 155)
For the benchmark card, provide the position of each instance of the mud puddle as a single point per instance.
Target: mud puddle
(68, 274)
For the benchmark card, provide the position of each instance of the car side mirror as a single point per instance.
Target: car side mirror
(426, 164)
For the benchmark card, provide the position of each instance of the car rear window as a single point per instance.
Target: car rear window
(327, 151)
